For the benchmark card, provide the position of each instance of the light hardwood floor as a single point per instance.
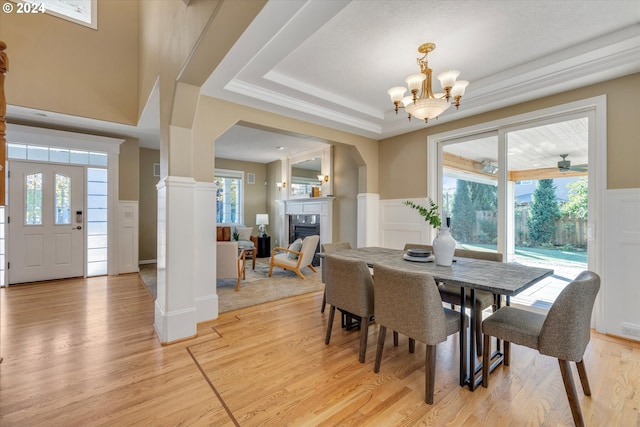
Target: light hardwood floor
(84, 353)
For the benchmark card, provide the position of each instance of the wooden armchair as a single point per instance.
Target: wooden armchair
(280, 257)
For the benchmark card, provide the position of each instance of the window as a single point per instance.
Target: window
(229, 196)
(63, 200)
(33, 199)
(83, 12)
(97, 203)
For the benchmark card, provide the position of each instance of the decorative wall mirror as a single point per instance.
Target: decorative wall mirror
(310, 173)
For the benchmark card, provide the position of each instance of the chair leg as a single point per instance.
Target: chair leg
(332, 312)
(270, 266)
(584, 380)
(324, 300)
(486, 360)
(507, 353)
(569, 386)
(312, 268)
(299, 273)
(395, 338)
(430, 374)
(412, 345)
(364, 334)
(382, 332)
(478, 325)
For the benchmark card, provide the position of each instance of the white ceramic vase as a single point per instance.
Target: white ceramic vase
(444, 247)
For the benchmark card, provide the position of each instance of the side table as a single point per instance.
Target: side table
(264, 246)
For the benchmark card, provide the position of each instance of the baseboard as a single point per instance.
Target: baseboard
(148, 261)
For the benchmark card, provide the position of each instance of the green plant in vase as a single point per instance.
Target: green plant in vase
(429, 214)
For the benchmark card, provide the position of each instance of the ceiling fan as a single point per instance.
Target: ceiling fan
(564, 165)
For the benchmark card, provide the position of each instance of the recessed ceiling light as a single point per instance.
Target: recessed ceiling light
(280, 148)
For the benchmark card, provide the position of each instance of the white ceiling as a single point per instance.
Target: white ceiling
(331, 62)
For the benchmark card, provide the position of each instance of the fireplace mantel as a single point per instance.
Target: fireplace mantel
(322, 206)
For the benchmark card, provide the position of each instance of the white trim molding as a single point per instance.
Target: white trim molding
(128, 236)
(368, 219)
(622, 251)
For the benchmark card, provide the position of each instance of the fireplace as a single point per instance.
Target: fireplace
(312, 215)
(301, 226)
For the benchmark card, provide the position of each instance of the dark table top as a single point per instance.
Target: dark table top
(496, 277)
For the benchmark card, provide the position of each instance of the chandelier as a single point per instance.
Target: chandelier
(423, 103)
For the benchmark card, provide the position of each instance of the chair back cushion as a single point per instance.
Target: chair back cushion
(485, 255)
(409, 303)
(332, 247)
(309, 245)
(349, 285)
(227, 260)
(567, 329)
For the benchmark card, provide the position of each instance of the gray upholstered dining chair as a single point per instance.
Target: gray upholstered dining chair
(409, 303)
(328, 248)
(349, 288)
(563, 333)
(450, 294)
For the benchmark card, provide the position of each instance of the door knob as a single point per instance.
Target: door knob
(77, 228)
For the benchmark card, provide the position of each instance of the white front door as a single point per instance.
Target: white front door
(46, 221)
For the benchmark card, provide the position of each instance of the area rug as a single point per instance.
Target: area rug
(257, 288)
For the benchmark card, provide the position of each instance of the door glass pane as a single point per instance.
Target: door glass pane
(470, 191)
(33, 199)
(63, 199)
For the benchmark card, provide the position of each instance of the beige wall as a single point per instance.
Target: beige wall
(403, 159)
(148, 207)
(183, 45)
(129, 164)
(345, 189)
(68, 68)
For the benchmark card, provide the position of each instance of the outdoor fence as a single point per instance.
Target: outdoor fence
(569, 231)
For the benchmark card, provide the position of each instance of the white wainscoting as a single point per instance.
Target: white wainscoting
(368, 219)
(399, 224)
(621, 283)
(128, 236)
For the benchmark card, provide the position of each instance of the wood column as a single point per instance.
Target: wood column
(4, 67)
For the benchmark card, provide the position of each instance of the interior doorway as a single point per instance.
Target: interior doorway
(493, 185)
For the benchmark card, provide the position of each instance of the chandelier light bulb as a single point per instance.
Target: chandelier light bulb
(396, 93)
(414, 81)
(448, 78)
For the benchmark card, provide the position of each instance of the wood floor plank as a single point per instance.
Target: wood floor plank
(84, 353)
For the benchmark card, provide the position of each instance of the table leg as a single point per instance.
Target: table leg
(463, 340)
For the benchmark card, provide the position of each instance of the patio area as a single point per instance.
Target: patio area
(566, 265)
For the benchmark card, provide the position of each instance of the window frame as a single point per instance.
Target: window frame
(235, 175)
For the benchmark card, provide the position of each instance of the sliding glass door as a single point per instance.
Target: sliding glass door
(522, 190)
(470, 190)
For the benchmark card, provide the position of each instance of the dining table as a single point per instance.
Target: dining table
(500, 278)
